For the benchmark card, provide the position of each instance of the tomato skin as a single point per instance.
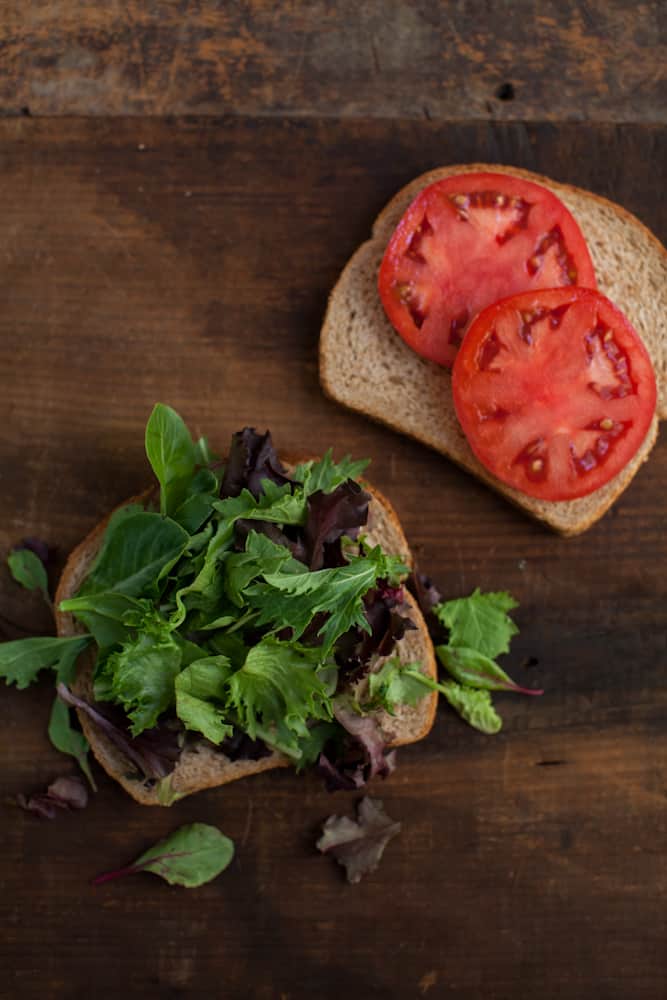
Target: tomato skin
(555, 391)
(467, 241)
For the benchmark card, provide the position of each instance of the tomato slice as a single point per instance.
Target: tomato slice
(466, 242)
(554, 390)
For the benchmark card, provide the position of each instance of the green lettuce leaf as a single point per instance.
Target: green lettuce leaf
(278, 685)
(395, 684)
(200, 696)
(141, 676)
(474, 706)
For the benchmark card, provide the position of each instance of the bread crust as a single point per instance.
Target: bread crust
(433, 421)
(202, 766)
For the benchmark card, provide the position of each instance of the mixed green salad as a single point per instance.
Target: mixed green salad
(241, 604)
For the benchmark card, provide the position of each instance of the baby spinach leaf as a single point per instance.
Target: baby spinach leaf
(479, 622)
(476, 670)
(172, 454)
(22, 659)
(190, 856)
(139, 550)
(28, 569)
(200, 693)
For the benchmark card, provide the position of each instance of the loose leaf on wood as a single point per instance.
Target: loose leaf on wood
(358, 844)
(29, 570)
(191, 856)
(22, 659)
(475, 707)
(68, 792)
(478, 671)
(479, 622)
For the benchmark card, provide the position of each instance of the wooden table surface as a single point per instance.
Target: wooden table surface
(180, 185)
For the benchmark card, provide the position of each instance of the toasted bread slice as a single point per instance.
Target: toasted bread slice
(365, 365)
(201, 765)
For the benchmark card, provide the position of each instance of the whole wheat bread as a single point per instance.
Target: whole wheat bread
(201, 765)
(367, 367)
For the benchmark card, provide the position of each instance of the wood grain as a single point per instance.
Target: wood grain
(190, 261)
(559, 59)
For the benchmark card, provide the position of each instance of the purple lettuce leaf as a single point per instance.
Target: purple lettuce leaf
(356, 648)
(154, 752)
(64, 793)
(358, 844)
(425, 592)
(360, 757)
(332, 515)
(252, 458)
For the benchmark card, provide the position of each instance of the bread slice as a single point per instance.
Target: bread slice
(366, 366)
(201, 765)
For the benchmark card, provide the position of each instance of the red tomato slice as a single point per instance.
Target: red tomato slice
(466, 242)
(555, 391)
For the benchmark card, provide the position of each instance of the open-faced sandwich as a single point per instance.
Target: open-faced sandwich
(245, 615)
(514, 324)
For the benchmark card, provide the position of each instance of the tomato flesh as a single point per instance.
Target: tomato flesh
(554, 390)
(466, 242)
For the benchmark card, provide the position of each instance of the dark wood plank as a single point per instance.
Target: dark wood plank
(190, 261)
(561, 59)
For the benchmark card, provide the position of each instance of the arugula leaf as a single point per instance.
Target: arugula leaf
(326, 475)
(198, 687)
(395, 684)
(141, 676)
(476, 670)
(479, 622)
(278, 685)
(261, 556)
(139, 550)
(172, 454)
(291, 600)
(190, 856)
(28, 569)
(474, 706)
(22, 659)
